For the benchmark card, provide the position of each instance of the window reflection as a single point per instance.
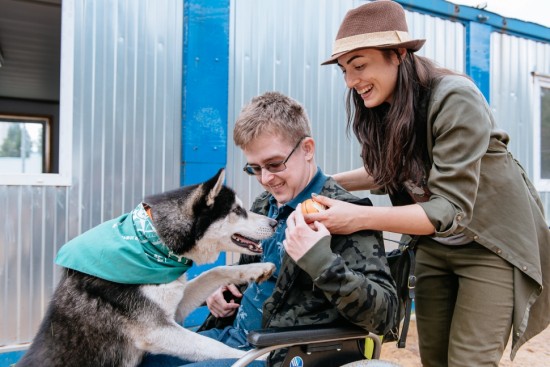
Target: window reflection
(24, 144)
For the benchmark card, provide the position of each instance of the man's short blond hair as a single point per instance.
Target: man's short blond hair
(271, 113)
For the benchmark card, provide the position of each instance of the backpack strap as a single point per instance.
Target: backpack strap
(411, 285)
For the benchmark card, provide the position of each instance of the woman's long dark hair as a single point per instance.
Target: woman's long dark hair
(393, 137)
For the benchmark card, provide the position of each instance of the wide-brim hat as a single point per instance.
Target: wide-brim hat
(380, 24)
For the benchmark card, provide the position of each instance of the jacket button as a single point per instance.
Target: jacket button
(499, 251)
(524, 268)
(476, 237)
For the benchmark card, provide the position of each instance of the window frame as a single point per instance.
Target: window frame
(540, 81)
(64, 176)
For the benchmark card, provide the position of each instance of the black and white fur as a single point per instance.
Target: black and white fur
(94, 322)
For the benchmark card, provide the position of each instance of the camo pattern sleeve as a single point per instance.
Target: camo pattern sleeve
(351, 272)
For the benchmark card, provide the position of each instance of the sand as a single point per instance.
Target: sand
(534, 353)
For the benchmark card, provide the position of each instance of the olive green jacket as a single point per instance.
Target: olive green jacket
(480, 190)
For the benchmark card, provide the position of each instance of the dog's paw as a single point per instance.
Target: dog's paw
(268, 271)
(260, 272)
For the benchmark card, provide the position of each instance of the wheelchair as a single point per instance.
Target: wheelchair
(318, 346)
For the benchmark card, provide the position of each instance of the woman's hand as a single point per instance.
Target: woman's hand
(340, 217)
(299, 236)
(218, 306)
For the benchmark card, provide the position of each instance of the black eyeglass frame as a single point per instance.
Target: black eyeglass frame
(256, 169)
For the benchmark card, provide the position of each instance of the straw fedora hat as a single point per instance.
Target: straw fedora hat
(379, 24)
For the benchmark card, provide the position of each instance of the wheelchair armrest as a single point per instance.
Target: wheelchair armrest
(304, 334)
(267, 340)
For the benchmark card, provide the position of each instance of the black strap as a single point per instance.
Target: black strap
(411, 285)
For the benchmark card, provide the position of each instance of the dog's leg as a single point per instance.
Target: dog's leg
(177, 341)
(197, 290)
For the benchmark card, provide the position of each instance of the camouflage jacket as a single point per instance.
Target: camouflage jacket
(342, 279)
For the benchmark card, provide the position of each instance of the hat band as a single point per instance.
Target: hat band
(369, 40)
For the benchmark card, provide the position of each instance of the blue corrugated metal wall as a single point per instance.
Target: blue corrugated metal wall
(205, 78)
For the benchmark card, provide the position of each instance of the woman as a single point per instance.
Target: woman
(429, 140)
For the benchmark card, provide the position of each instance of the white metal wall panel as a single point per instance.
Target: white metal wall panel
(279, 44)
(513, 60)
(126, 144)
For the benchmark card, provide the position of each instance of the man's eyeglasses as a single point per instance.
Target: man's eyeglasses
(273, 167)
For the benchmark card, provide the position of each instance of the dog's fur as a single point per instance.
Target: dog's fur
(95, 322)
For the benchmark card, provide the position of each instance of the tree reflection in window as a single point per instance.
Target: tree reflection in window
(24, 144)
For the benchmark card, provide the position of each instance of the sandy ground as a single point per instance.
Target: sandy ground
(534, 353)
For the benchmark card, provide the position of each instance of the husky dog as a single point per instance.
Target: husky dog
(113, 306)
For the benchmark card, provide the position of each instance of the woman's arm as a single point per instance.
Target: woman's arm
(460, 124)
(357, 179)
(409, 219)
(344, 218)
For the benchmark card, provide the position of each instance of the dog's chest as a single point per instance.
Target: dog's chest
(166, 296)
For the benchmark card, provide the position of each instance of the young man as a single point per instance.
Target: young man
(320, 278)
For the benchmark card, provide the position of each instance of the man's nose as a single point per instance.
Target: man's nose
(266, 175)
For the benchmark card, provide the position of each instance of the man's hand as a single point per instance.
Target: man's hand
(299, 236)
(217, 304)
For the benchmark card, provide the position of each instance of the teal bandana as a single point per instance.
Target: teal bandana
(124, 250)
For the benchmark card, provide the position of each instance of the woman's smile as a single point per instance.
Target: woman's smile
(365, 92)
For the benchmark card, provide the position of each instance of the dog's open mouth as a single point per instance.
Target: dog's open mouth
(242, 241)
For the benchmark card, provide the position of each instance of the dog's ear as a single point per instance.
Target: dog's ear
(214, 185)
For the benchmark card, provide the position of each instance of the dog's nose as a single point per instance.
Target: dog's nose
(272, 223)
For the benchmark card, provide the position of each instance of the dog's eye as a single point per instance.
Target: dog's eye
(240, 211)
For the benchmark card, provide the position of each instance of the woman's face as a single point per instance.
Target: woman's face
(371, 74)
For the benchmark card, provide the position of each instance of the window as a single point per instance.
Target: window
(541, 122)
(34, 123)
(25, 144)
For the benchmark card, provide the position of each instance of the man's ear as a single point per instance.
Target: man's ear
(309, 147)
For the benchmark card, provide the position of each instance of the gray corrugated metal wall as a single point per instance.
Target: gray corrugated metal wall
(513, 60)
(126, 144)
(279, 44)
